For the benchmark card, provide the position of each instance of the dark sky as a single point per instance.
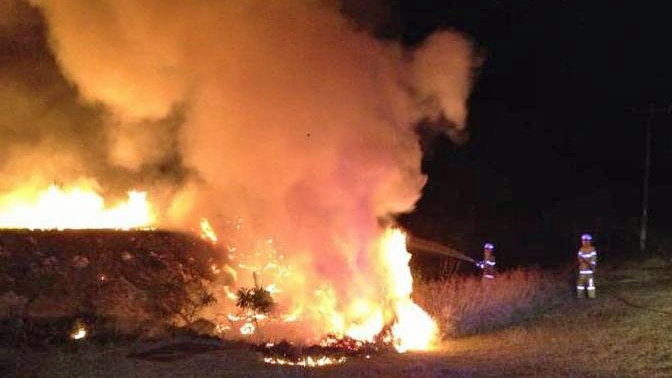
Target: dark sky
(557, 125)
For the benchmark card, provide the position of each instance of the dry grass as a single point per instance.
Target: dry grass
(603, 338)
(469, 305)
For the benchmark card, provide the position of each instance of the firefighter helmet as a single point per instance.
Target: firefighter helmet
(488, 246)
(586, 237)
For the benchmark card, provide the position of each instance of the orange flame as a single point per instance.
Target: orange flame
(247, 329)
(207, 233)
(74, 208)
(78, 334)
(413, 329)
(410, 328)
(306, 361)
(79, 331)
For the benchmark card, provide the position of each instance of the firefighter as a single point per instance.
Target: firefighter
(487, 265)
(587, 260)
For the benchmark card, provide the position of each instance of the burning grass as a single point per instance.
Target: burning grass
(464, 305)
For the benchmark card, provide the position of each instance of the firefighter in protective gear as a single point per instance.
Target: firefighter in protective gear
(587, 261)
(487, 265)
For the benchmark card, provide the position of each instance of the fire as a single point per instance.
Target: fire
(247, 329)
(79, 334)
(370, 327)
(207, 233)
(306, 361)
(413, 329)
(391, 317)
(78, 331)
(74, 208)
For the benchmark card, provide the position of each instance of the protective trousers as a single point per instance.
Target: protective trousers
(585, 282)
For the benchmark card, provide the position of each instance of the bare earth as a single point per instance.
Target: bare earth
(625, 332)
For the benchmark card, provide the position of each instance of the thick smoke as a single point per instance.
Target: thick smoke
(288, 117)
(49, 136)
(30, 88)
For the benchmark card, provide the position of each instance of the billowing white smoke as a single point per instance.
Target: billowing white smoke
(294, 121)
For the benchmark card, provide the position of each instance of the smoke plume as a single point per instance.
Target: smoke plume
(280, 121)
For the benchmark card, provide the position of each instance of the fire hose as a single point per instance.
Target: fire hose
(437, 248)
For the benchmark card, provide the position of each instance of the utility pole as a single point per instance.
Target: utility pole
(645, 186)
(643, 231)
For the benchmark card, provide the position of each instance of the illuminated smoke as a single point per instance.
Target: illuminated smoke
(444, 80)
(286, 115)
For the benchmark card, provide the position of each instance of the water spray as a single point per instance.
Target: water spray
(436, 248)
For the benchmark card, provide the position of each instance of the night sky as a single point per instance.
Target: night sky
(557, 122)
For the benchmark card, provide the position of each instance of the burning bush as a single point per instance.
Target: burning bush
(467, 305)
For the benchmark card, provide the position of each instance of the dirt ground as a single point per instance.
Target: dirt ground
(625, 332)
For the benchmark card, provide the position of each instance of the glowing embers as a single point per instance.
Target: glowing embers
(306, 361)
(79, 331)
(78, 207)
(331, 351)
